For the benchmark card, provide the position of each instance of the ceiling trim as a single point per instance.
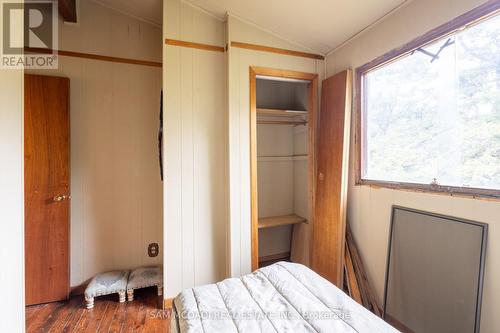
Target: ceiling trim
(128, 14)
(368, 27)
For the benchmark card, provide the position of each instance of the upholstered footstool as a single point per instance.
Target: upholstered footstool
(105, 284)
(144, 277)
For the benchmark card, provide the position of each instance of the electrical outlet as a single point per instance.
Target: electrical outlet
(153, 249)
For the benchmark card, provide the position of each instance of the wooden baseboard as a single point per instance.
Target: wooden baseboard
(276, 256)
(168, 303)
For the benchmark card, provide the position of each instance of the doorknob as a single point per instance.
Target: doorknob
(61, 197)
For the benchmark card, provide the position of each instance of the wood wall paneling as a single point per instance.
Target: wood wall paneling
(11, 198)
(195, 150)
(117, 204)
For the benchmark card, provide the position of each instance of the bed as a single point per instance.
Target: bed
(283, 297)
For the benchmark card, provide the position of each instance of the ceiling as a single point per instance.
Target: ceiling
(147, 10)
(320, 25)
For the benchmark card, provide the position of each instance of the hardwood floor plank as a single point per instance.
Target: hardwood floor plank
(108, 315)
(38, 318)
(140, 317)
(91, 318)
(53, 316)
(118, 319)
(133, 310)
(31, 313)
(148, 327)
(73, 320)
(154, 320)
(64, 316)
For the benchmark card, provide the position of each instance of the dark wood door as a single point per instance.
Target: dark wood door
(47, 188)
(332, 166)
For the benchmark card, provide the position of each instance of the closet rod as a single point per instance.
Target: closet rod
(279, 122)
(281, 112)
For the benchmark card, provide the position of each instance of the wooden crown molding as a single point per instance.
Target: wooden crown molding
(94, 57)
(206, 47)
(270, 49)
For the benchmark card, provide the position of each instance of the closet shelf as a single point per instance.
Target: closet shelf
(276, 221)
(297, 155)
(290, 158)
(280, 112)
(281, 122)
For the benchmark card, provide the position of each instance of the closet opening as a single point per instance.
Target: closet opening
(282, 139)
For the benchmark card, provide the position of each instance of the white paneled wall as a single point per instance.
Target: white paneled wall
(116, 204)
(195, 151)
(11, 200)
(207, 190)
(239, 61)
(369, 208)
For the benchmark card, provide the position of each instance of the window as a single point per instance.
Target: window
(430, 116)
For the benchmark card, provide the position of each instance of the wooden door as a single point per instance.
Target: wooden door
(331, 187)
(47, 188)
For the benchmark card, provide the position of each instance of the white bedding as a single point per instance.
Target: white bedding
(283, 297)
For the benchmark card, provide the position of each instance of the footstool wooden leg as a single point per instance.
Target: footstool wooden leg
(90, 302)
(121, 296)
(130, 295)
(160, 290)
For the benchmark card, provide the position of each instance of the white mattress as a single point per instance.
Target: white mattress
(283, 297)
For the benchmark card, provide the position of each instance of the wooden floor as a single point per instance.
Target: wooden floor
(141, 315)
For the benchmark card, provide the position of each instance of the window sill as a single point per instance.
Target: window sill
(465, 192)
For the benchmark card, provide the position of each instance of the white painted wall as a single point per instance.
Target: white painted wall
(11, 200)
(369, 208)
(116, 204)
(195, 119)
(206, 148)
(239, 61)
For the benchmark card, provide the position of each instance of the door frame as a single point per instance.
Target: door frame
(312, 138)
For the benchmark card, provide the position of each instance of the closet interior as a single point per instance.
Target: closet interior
(283, 189)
